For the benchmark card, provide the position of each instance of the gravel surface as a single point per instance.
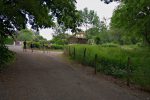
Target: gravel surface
(46, 76)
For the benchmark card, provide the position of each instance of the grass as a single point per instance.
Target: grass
(112, 60)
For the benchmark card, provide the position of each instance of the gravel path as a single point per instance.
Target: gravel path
(41, 76)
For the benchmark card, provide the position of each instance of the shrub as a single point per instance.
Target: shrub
(6, 56)
(9, 40)
(37, 45)
(56, 46)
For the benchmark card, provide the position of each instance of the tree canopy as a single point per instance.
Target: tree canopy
(89, 17)
(133, 17)
(25, 34)
(15, 14)
(60, 39)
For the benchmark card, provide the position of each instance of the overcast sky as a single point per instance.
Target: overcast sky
(103, 10)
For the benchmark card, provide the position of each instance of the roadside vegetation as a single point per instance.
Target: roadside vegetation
(113, 60)
(57, 43)
(6, 56)
(121, 49)
(15, 15)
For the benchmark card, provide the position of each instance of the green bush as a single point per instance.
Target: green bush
(6, 56)
(37, 44)
(9, 40)
(56, 46)
(112, 60)
(47, 46)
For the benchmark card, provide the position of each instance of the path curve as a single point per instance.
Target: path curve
(41, 76)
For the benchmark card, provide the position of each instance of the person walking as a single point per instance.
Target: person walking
(43, 48)
(31, 46)
(24, 46)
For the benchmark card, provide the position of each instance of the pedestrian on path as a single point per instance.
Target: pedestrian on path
(43, 48)
(31, 46)
(24, 46)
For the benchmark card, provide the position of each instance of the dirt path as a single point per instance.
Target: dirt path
(41, 76)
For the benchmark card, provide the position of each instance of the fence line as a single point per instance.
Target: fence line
(95, 62)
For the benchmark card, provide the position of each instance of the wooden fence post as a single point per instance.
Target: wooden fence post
(84, 54)
(74, 53)
(69, 50)
(65, 50)
(128, 71)
(95, 63)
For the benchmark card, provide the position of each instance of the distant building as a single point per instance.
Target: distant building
(78, 38)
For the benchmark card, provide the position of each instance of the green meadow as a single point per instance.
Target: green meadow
(118, 61)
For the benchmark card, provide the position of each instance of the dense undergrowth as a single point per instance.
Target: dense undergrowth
(113, 60)
(6, 57)
(39, 45)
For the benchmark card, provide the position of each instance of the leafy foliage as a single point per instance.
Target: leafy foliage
(9, 40)
(57, 47)
(6, 56)
(60, 39)
(138, 20)
(15, 14)
(112, 60)
(99, 35)
(39, 38)
(89, 17)
(25, 34)
(90, 33)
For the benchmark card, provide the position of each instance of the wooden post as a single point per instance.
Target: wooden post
(128, 71)
(69, 50)
(74, 53)
(64, 50)
(84, 54)
(95, 63)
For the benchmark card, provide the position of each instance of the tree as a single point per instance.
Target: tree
(25, 34)
(29, 35)
(133, 17)
(60, 39)
(58, 29)
(91, 32)
(39, 38)
(89, 18)
(97, 40)
(15, 14)
(99, 34)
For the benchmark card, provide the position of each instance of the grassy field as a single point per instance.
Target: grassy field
(114, 60)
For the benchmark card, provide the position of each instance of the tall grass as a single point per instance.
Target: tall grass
(112, 60)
